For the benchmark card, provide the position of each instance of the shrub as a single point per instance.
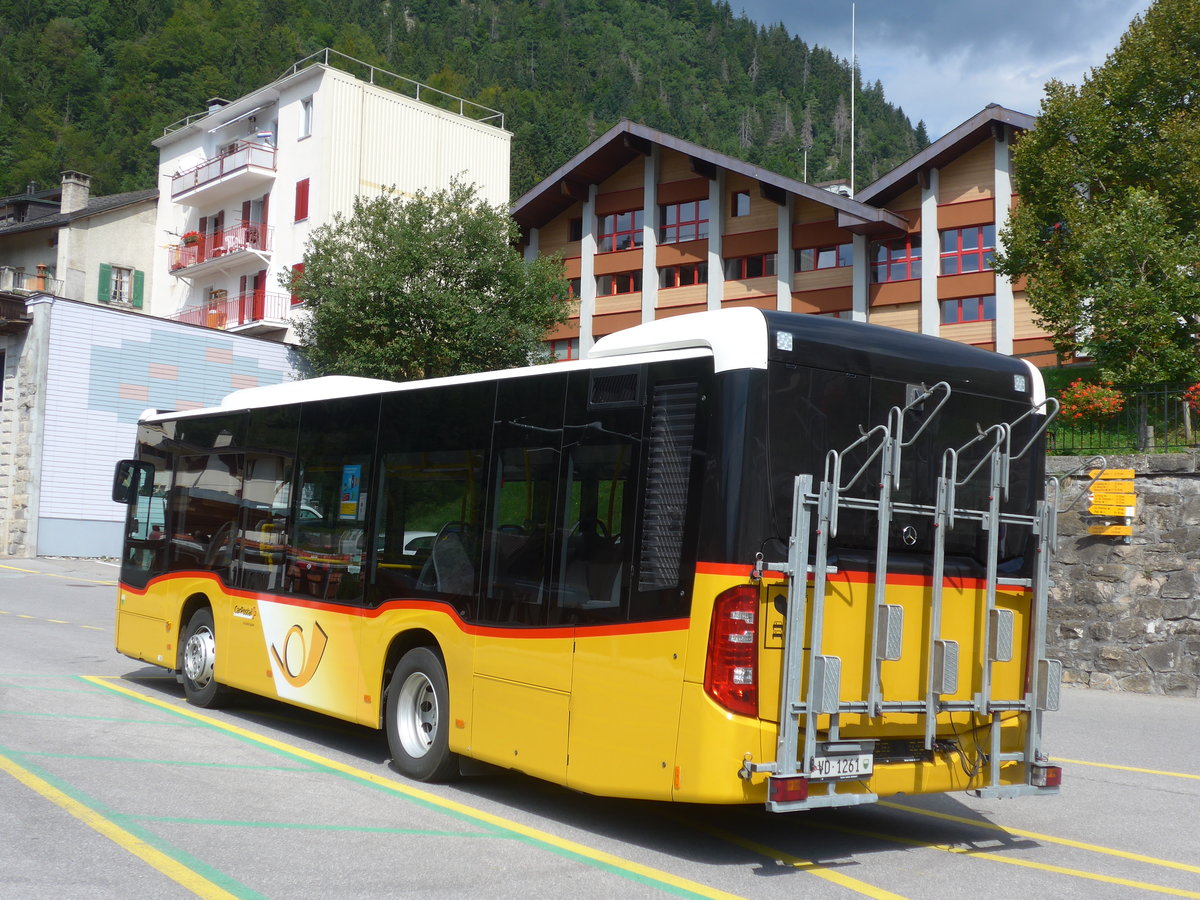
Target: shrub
(1092, 403)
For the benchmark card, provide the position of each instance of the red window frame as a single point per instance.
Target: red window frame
(837, 256)
(968, 249)
(677, 276)
(680, 222)
(898, 260)
(564, 349)
(757, 265)
(618, 283)
(619, 231)
(302, 200)
(959, 310)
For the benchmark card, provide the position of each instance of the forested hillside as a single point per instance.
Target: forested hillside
(87, 84)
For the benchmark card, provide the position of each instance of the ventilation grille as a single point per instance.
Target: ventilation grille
(620, 389)
(672, 429)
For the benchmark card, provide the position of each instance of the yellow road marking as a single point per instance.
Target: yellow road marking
(1014, 861)
(478, 815)
(59, 575)
(1046, 838)
(1080, 762)
(174, 870)
(804, 865)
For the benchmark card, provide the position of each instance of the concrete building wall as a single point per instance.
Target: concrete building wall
(76, 383)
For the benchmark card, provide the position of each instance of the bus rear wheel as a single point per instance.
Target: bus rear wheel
(417, 718)
(199, 662)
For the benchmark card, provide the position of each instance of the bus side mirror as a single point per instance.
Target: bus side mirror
(130, 479)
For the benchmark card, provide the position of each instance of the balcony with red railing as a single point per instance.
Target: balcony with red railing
(254, 312)
(247, 168)
(221, 250)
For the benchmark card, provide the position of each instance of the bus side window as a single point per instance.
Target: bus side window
(264, 532)
(426, 537)
(207, 496)
(523, 496)
(329, 542)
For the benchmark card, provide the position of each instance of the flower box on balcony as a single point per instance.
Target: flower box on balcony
(192, 237)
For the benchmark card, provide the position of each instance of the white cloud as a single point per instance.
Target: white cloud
(942, 61)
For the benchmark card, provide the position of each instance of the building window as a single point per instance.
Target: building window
(575, 229)
(898, 260)
(302, 200)
(574, 286)
(968, 249)
(969, 309)
(810, 258)
(743, 267)
(683, 221)
(306, 117)
(297, 271)
(565, 349)
(739, 203)
(618, 283)
(682, 276)
(620, 231)
(120, 284)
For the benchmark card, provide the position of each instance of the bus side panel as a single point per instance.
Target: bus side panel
(398, 620)
(625, 698)
(148, 619)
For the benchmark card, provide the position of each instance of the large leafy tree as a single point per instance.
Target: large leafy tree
(1109, 182)
(424, 286)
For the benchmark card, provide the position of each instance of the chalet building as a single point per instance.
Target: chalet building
(244, 183)
(651, 226)
(66, 242)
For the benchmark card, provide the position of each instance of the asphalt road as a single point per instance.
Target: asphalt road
(112, 786)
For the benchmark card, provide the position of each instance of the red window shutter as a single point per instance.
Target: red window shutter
(266, 198)
(245, 213)
(297, 270)
(301, 200)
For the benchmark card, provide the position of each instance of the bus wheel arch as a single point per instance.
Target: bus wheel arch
(198, 656)
(417, 715)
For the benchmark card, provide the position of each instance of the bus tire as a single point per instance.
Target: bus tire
(417, 718)
(198, 662)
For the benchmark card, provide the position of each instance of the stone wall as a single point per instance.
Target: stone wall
(1126, 616)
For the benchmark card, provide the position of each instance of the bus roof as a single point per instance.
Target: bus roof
(733, 338)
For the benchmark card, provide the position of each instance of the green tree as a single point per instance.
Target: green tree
(424, 286)
(1110, 201)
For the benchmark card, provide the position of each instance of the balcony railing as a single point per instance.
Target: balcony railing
(205, 247)
(15, 280)
(246, 155)
(250, 308)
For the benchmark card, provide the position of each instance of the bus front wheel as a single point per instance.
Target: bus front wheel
(199, 662)
(418, 709)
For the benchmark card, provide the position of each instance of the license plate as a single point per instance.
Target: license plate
(853, 765)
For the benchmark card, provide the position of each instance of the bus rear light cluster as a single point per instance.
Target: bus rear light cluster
(731, 670)
(1047, 776)
(787, 788)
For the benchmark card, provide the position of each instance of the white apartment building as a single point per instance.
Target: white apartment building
(243, 184)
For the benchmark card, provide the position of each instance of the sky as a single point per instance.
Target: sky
(942, 61)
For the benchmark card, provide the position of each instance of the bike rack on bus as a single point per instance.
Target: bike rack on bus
(806, 611)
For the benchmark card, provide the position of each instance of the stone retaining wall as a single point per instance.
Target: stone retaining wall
(1126, 616)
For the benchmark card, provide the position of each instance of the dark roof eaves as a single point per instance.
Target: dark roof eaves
(908, 169)
(625, 126)
(95, 206)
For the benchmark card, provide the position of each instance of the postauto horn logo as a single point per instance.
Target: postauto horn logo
(298, 662)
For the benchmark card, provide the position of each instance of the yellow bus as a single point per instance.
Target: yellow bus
(730, 557)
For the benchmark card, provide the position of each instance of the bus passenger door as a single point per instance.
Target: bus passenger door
(629, 463)
(522, 675)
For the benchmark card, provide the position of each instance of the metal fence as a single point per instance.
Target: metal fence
(1155, 419)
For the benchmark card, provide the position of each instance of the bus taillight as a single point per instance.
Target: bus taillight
(1047, 776)
(731, 672)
